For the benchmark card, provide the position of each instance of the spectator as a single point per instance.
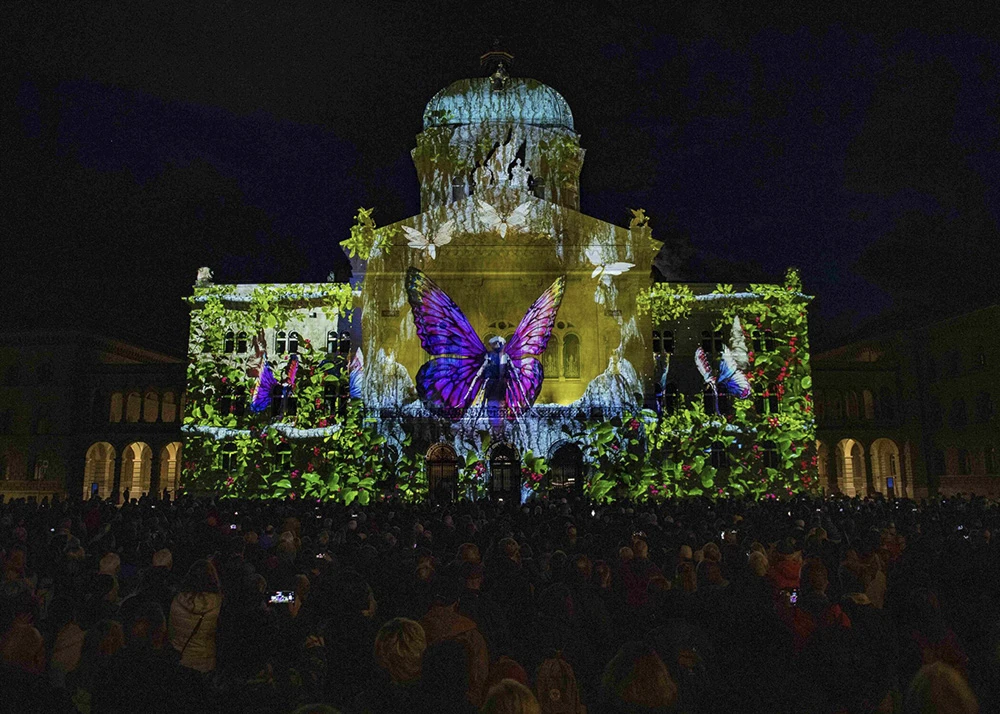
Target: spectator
(194, 614)
(510, 697)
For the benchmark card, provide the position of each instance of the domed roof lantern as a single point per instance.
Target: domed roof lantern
(498, 63)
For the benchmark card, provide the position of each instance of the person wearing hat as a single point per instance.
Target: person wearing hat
(444, 622)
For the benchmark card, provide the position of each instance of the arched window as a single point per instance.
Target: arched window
(230, 464)
(550, 359)
(571, 356)
(117, 406)
(234, 401)
(337, 395)
(984, 407)
(566, 467)
(229, 343)
(668, 342)
(442, 471)
(719, 455)
(458, 188)
(869, 402)
(505, 472)
(819, 403)
(280, 342)
(293, 341)
(769, 341)
(241, 343)
(657, 342)
(712, 342)
(168, 410)
(133, 407)
(344, 344)
(853, 411)
(769, 455)
(151, 407)
(957, 415)
(331, 342)
(835, 406)
(886, 404)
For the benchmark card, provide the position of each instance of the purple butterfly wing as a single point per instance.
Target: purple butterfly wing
(731, 379)
(442, 327)
(450, 384)
(260, 398)
(532, 335)
(522, 383)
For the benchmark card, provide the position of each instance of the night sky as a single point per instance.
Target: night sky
(141, 141)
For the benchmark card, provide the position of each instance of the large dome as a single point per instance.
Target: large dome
(473, 101)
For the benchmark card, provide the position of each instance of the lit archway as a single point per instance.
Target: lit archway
(566, 467)
(851, 478)
(99, 471)
(170, 467)
(442, 471)
(137, 465)
(886, 467)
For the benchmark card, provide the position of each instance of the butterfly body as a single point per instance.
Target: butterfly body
(505, 377)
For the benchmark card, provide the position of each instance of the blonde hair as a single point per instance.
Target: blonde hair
(938, 687)
(399, 649)
(510, 697)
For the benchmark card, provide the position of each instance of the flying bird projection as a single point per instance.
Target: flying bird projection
(605, 271)
(516, 221)
(505, 377)
(430, 241)
(730, 379)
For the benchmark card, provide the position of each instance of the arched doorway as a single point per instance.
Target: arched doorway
(170, 467)
(99, 471)
(566, 468)
(137, 463)
(442, 472)
(851, 475)
(886, 467)
(505, 473)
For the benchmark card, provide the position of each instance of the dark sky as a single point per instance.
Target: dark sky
(144, 140)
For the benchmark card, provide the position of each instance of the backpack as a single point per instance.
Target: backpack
(555, 687)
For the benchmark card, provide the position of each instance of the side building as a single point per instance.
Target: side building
(912, 412)
(83, 414)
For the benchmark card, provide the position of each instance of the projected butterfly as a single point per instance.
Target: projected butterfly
(505, 377)
(515, 221)
(730, 379)
(431, 240)
(260, 396)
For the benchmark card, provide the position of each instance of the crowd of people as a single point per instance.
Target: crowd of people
(556, 606)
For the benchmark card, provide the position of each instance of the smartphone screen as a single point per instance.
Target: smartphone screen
(281, 596)
(793, 596)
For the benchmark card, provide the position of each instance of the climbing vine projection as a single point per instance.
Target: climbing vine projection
(316, 450)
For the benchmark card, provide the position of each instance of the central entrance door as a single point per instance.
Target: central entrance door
(505, 474)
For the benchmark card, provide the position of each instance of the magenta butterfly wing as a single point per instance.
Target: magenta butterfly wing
(442, 327)
(532, 335)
